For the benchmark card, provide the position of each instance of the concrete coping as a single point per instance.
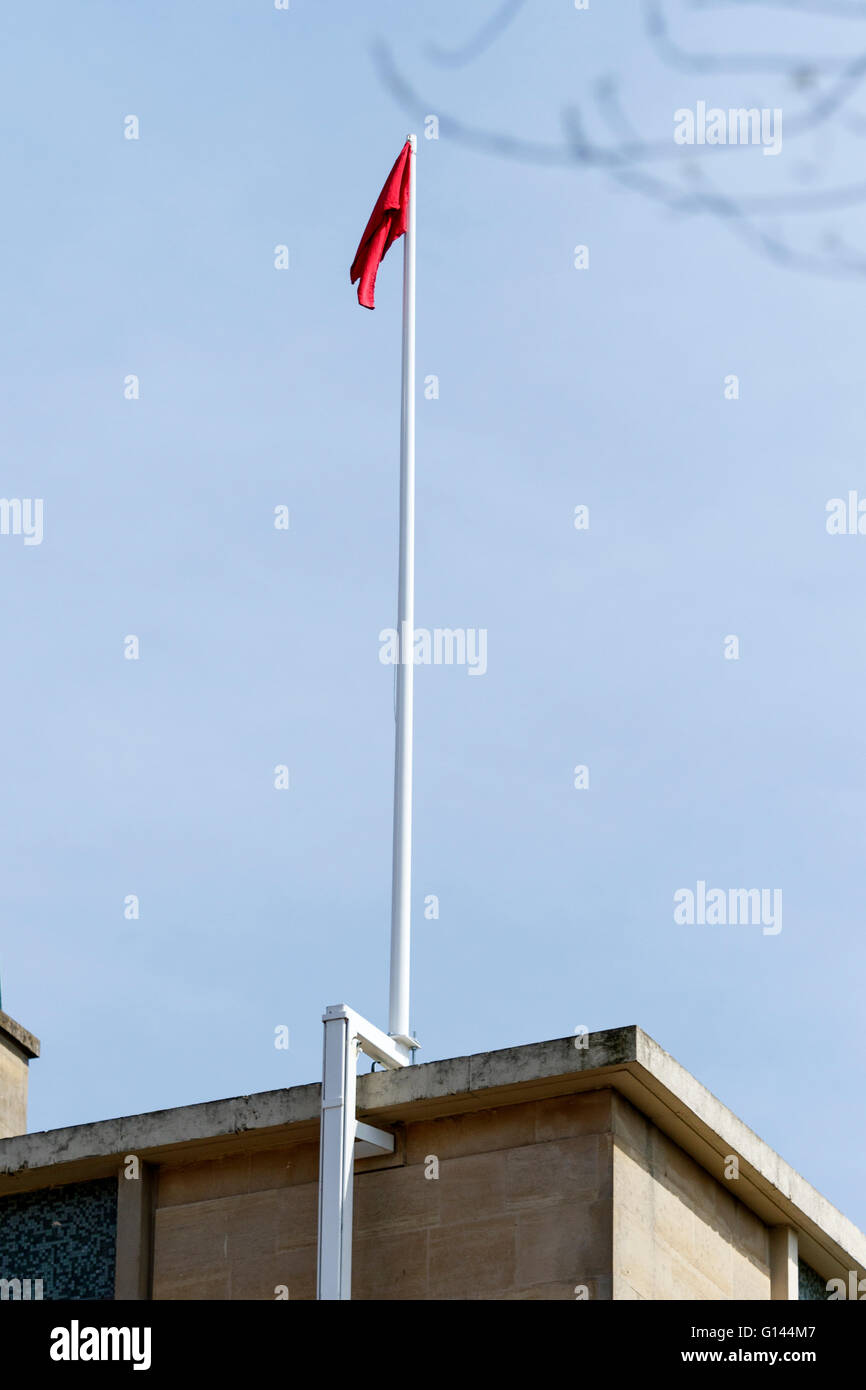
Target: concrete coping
(13, 1032)
(626, 1060)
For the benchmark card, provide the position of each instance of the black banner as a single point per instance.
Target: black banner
(237, 1339)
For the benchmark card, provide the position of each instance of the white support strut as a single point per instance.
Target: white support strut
(342, 1138)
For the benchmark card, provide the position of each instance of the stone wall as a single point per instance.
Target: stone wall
(677, 1232)
(13, 1088)
(521, 1209)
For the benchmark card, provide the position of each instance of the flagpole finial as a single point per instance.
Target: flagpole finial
(413, 142)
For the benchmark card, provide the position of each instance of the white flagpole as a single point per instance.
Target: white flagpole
(346, 1031)
(401, 883)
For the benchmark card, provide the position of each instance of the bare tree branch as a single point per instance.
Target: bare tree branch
(620, 160)
(832, 9)
(657, 28)
(486, 35)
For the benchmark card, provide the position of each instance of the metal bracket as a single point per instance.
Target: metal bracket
(371, 1142)
(343, 1138)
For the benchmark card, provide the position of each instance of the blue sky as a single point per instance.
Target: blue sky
(558, 387)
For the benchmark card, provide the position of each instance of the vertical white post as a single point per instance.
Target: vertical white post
(401, 884)
(345, 1034)
(336, 1161)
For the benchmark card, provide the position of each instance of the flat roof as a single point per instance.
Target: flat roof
(18, 1035)
(624, 1059)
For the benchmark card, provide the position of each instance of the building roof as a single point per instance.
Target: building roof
(10, 1031)
(625, 1059)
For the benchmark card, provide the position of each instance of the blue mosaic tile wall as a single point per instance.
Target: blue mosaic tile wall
(64, 1236)
(812, 1286)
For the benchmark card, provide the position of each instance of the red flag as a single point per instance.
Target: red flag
(388, 221)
